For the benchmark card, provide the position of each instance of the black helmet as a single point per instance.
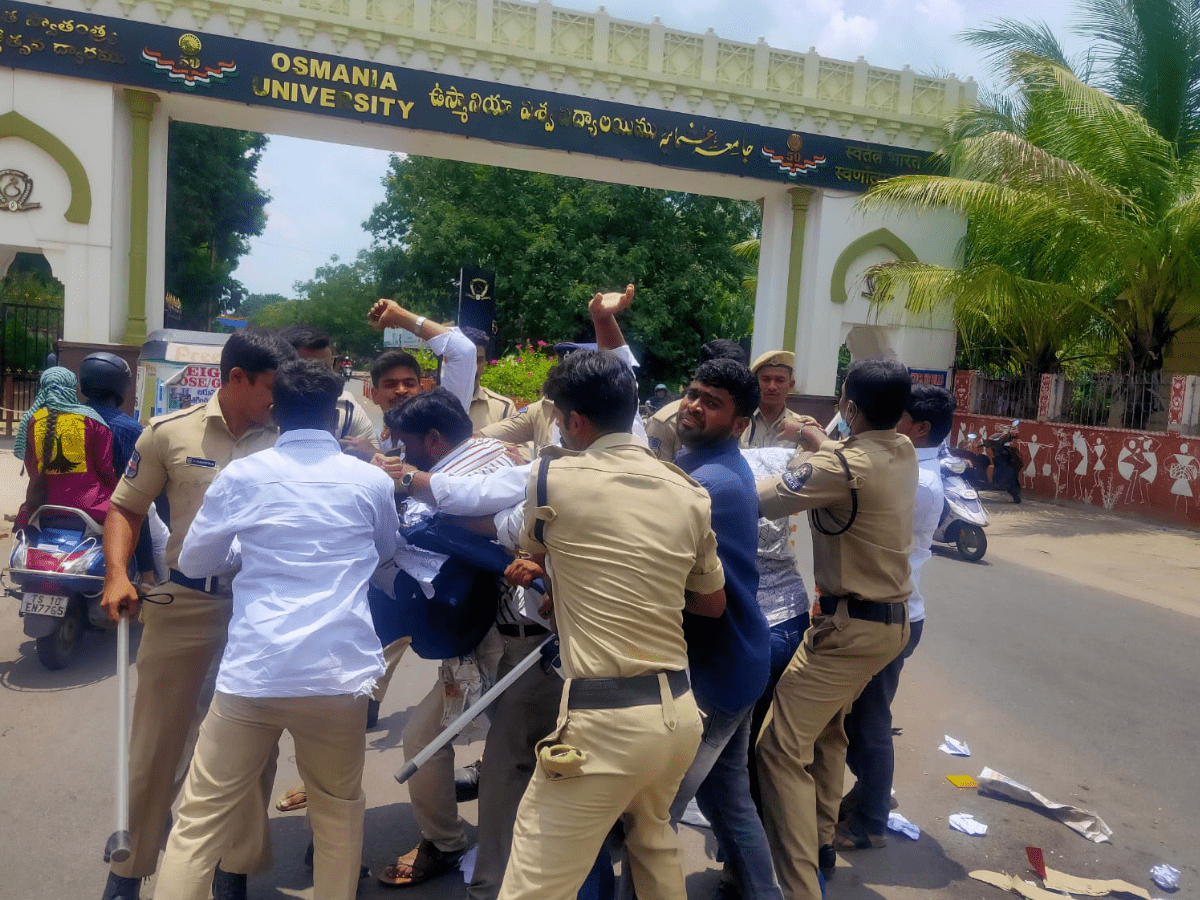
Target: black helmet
(104, 375)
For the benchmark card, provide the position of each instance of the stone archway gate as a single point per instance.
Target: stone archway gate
(91, 85)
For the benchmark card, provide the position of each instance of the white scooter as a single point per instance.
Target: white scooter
(963, 516)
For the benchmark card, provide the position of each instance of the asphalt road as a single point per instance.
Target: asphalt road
(1085, 695)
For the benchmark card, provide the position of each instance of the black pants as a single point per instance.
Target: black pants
(869, 754)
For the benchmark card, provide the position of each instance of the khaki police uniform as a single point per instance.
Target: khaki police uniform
(488, 407)
(764, 433)
(532, 426)
(628, 727)
(862, 577)
(662, 431)
(182, 640)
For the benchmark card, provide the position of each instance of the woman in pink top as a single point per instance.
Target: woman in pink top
(67, 449)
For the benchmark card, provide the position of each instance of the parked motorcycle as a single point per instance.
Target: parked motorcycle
(963, 516)
(996, 464)
(57, 566)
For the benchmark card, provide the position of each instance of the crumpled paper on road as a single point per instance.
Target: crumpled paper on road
(966, 823)
(1013, 883)
(898, 823)
(1166, 877)
(954, 746)
(1087, 823)
(1091, 887)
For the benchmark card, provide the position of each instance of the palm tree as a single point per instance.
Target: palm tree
(1083, 213)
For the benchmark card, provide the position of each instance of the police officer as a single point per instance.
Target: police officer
(628, 727)
(181, 453)
(860, 494)
(773, 424)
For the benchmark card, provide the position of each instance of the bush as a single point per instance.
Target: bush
(519, 374)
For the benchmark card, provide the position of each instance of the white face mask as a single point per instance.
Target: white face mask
(843, 428)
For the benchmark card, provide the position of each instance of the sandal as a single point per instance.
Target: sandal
(296, 798)
(423, 862)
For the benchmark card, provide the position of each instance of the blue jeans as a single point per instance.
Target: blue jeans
(719, 780)
(785, 640)
(869, 753)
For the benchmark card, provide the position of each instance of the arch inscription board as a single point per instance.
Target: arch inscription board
(159, 58)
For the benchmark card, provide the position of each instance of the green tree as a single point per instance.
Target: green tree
(214, 206)
(553, 241)
(1084, 215)
(1081, 204)
(335, 300)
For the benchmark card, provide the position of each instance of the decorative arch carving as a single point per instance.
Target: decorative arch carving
(13, 124)
(880, 237)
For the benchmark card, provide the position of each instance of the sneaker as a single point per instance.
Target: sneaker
(466, 782)
(118, 888)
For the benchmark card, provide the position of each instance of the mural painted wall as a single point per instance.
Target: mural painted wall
(1156, 474)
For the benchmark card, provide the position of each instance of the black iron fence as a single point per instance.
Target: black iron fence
(30, 334)
(1012, 396)
(1106, 399)
(1117, 400)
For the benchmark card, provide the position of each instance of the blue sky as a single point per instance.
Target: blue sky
(321, 193)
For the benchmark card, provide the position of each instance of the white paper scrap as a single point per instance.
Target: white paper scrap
(955, 747)
(897, 822)
(1166, 877)
(965, 822)
(1084, 821)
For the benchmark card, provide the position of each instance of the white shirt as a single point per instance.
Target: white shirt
(458, 364)
(308, 525)
(476, 455)
(930, 499)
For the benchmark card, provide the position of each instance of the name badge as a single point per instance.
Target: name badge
(197, 461)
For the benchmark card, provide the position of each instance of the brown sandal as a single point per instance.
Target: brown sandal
(296, 798)
(423, 862)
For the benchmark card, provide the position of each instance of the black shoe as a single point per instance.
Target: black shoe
(827, 860)
(466, 782)
(228, 885)
(372, 713)
(118, 888)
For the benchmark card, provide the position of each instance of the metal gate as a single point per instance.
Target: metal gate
(29, 334)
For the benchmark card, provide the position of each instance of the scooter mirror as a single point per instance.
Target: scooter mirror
(1016, 422)
(972, 436)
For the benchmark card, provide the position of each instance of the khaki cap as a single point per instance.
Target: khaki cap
(775, 358)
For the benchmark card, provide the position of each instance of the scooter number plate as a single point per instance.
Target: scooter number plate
(44, 605)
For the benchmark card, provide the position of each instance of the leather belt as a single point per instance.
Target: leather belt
(867, 610)
(210, 585)
(521, 630)
(622, 693)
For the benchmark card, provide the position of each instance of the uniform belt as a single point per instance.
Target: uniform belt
(867, 610)
(622, 693)
(210, 585)
(520, 630)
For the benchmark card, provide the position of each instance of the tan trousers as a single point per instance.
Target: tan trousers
(636, 758)
(431, 788)
(524, 714)
(181, 644)
(802, 745)
(392, 654)
(237, 740)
